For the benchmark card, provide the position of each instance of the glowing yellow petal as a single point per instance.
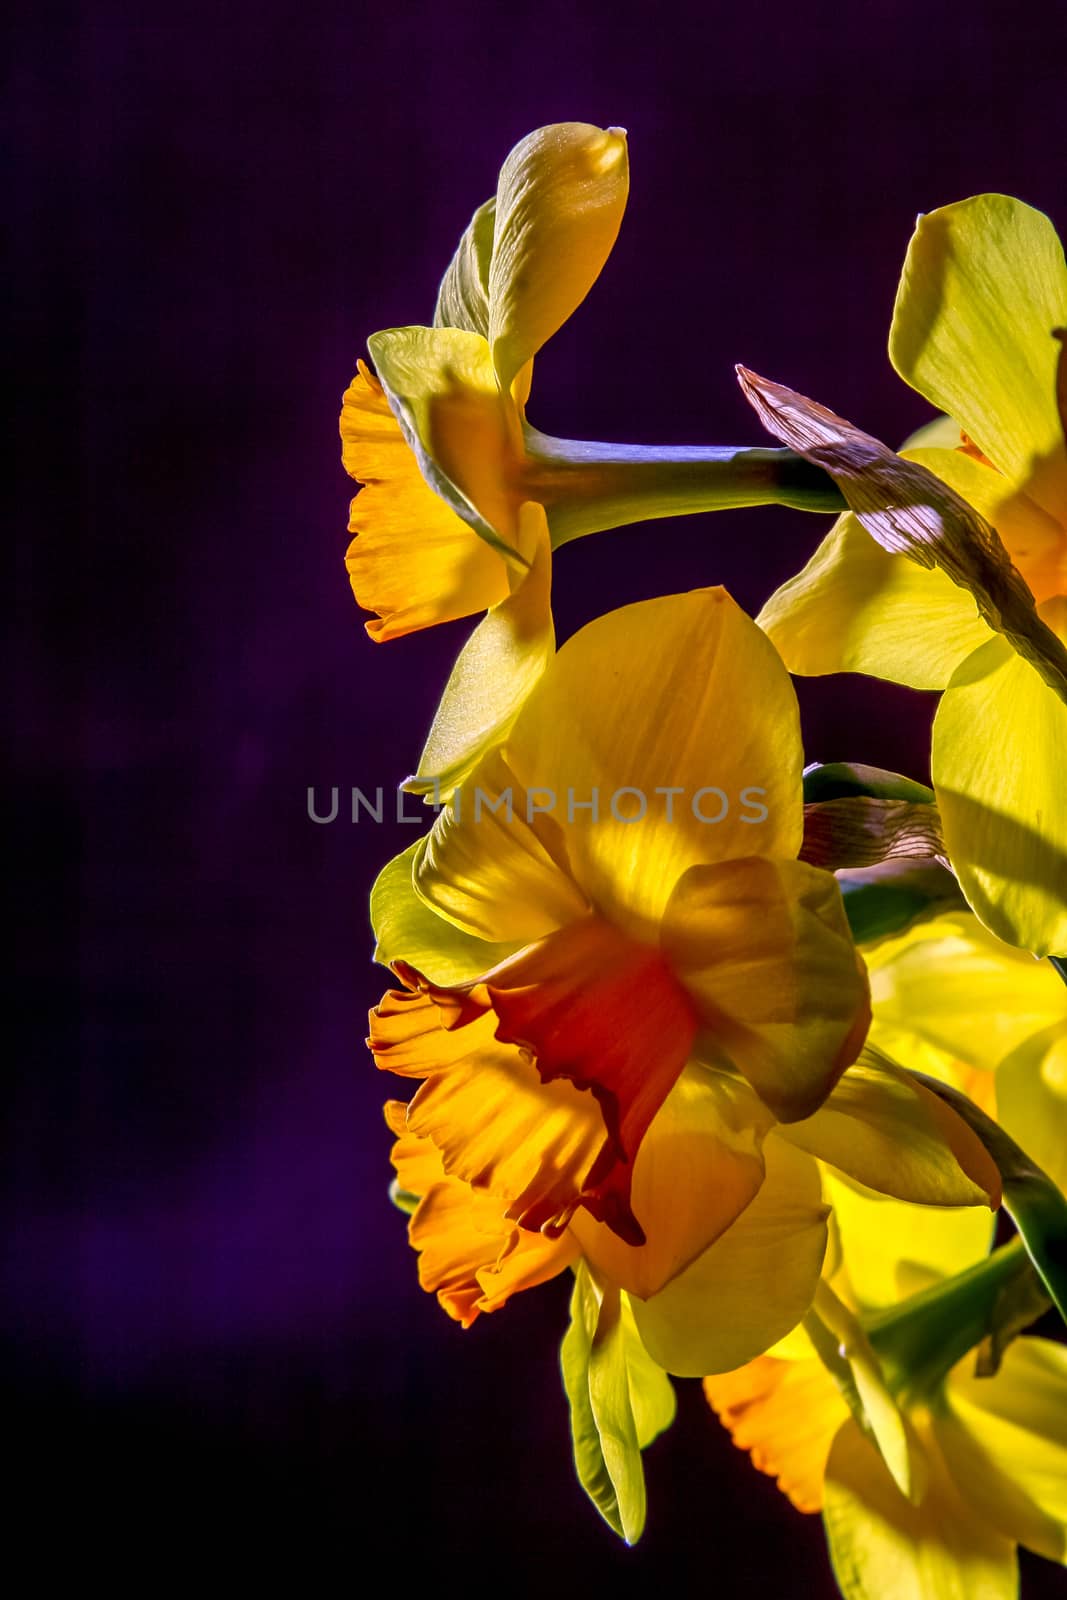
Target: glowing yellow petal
(999, 764)
(785, 1414)
(954, 985)
(881, 1544)
(681, 694)
(983, 286)
(880, 1236)
(413, 561)
(464, 433)
(1005, 1442)
(495, 671)
(559, 204)
(1032, 1099)
(885, 1130)
(764, 950)
(406, 929)
(698, 1167)
(856, 608)
(752, 1285)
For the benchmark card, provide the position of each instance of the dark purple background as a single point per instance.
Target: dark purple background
(218, 1348)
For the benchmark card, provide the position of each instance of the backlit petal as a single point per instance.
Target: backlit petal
(407, 929)
(683, 693)
(752, 1285)
(1032, 1099)
(698, 1167)
(463, 298)
(413, 560)
(785, 1414)
(857, 608)
(999, 764)
(1005, 1443)
(764, 950)
(891, 1134)
(559, 204)
(881, 1544)
(984, 284)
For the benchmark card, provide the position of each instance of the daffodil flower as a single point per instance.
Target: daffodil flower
(446, 524)
(977, 330)
(631, 1007)
(927, 1478)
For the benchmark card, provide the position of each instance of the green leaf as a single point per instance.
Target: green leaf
(407, 930)
(619, 1399)
(1035, 1204)
(888, 898)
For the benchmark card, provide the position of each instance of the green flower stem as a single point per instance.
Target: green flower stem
(588, 488)
(919, 1341)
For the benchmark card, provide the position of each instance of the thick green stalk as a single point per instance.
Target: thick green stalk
(588, 488)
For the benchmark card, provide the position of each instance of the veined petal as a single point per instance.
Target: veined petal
(881, 1543)
(698, 1167)
(785, 1414)
(469, 1256)
(463, 298)
(494, 672)
(999, 764)
(484, 1107)
(1032, 1099)
(485, 867)
(764, 950)
(983, 286)
(407, 929)
(753, 1285)
(639, 714)
(464, 433)
(884, 1129)
(954, 985)
(883, 1241)
(559, 205)
(413, 561)
(1004, 1443)
(602, 1011)
(857, 608)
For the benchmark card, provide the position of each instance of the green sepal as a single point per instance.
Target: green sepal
(1035, 1204)
(620, 1401)
(839, 780)
(406, 929)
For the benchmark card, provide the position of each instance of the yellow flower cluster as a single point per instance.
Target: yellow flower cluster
(753, 1052)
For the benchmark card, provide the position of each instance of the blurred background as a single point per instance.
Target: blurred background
(216, 1348)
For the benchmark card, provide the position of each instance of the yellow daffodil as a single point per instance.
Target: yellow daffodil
(461, 494)
(952, 1000)
(929, 1482)
(981, 300)
(631, 1007)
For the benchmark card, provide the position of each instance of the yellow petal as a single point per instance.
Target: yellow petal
(983, 286)
(464, 433)
(764, 950)
(857, 608)
(684, 694)
(752, 1285)
(1005, 1442)
(999, 764)
(406, 929)
(698, 1167)
(881, 1544)
(884, 1129)
(495, 671)
(1032, 1099)
(955, 986)
(413, 560)
(881, 1238)
(785, 1414)
(486, 868)
(559, 205)
(463, 298)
